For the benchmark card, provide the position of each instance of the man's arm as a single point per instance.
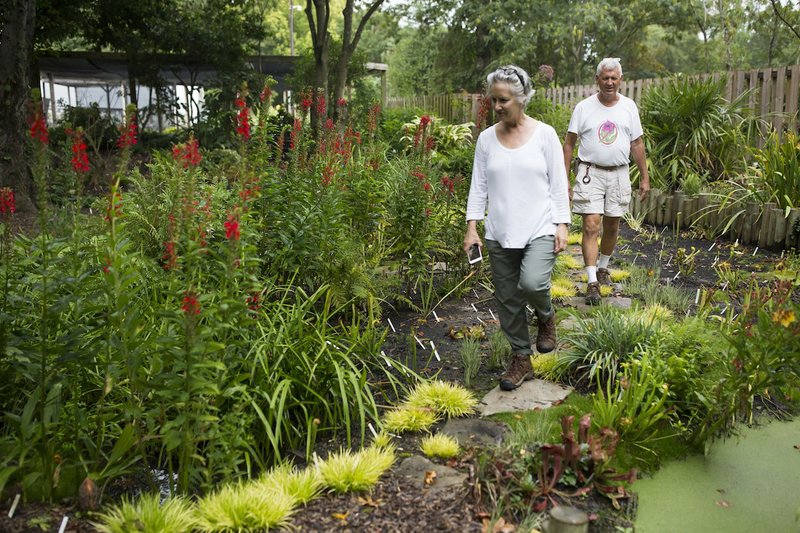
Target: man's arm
(640, 158)
(569, 149)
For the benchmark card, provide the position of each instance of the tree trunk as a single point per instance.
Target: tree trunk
(349, 44)
(16, 52)
(318, 15)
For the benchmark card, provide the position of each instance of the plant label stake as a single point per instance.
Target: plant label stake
(474, 308)
(419, 342)
(388, 363)
(434, 316)
(491, 313)
(433, 347)
(389, 320)
(372, 430)
(63, 525)
(13, 506)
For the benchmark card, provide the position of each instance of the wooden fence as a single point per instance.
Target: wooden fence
(763, 225)
(773, 92)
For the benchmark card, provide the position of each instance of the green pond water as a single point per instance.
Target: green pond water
(748, 483)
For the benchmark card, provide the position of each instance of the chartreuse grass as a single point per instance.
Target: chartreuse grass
(382, 440)
(653, 313)
(408, 418)
(303, 485)
(568, 262)
(446, 399)
(618, 275)
(244, 507)
(440, 445)
(348, 471)
(544, 365)
(562, 288)
(149, 515)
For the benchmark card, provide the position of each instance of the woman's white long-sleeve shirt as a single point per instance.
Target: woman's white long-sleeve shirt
(525, 188)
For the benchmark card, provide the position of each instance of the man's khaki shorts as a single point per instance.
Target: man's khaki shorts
(607, 193)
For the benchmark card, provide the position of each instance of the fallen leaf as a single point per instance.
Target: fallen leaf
(369, 501)
(723, 503)
(430, 477)
(340, 516)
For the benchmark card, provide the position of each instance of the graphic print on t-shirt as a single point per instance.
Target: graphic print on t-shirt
(607, 132)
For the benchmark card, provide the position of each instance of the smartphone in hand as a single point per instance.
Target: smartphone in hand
(474, 254)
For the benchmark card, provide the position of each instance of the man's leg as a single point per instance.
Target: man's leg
(591, 231)
(607, 244)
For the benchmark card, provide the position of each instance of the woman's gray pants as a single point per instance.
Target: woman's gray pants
(521, 277)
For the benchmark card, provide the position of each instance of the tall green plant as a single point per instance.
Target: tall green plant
(691, 130)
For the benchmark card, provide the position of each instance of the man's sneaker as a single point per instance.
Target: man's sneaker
(603, 276)
(518, 371)
(546, 336)
(593, 293)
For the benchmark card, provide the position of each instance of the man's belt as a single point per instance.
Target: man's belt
(601, 167)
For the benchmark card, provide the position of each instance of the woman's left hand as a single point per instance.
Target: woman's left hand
(561, 238)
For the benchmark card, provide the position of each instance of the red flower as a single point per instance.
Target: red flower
(188, 154)
(295, 133)
(448, 184)
(426, 186)
(430, 142)
(322, 108)
(266, 94)
(242, 119)
(39, 129)
(80, 159)
(424, 120)
(232, 227)
(191, 306)
(372, 119)
(170, 257)
(8, 205)
(329, 124)
(254, 301)
(419, 175)
(341, 102)
(128, 134)
(305, 102)
(327, 175)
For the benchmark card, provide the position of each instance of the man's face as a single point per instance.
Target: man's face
(608, 81)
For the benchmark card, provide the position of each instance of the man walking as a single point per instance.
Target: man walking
(610, 132)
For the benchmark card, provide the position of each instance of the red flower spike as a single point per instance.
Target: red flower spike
(191, 306)
(80, 158)
(8, 205)
(232, 227)
(341, 102)
(128, 133)
(38, 128)
(242, 119)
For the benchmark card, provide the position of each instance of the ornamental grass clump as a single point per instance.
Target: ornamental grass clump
(244, 507)
(349, 471)
(303, 485)
(446, 399)
(440, 445)
(618, 275)
(407, 418)
(562, 289)
(149, 515)
(544, 365)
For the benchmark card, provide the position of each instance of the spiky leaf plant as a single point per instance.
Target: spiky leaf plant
(304, 485)
(440, 445)
(382, 440)
(409, 418)
(148, 515)
(244, 507)
(347, 471)
(568, 262)
(446, 399)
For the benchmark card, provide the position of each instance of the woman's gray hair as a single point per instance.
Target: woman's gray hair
(516, 78)
(609, 63)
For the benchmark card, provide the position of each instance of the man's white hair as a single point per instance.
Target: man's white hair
(609, 63)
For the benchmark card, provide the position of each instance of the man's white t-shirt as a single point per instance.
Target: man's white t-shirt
(525, 188)
(605, 133)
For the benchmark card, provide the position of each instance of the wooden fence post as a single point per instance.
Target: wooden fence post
(793, 229)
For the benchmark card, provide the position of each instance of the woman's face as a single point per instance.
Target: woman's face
(507, 107)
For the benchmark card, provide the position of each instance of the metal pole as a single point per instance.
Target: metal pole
(291, 27)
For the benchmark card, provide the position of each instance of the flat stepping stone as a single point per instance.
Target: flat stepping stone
(474, 432)
(429, 475)
(579, 302)
(533, 394)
